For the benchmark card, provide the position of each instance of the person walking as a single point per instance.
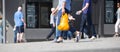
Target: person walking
(86, 25)
(117, 24)
(63, 7)
(52, 24)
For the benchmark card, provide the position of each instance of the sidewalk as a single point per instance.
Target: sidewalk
(99, 45)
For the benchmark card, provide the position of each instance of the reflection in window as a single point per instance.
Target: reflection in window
(44, 17)
(109, 8)
(37, 14)
(0, 5)
(31, 21)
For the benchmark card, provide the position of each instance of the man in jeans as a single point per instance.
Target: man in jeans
(86, 19)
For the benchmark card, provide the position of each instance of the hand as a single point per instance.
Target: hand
(53, 25)
(24, 25)
(71, 18)
(14, 28)
(54, 12)
(78, 12)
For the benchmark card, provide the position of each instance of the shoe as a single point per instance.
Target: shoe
(18, 41)
(47, 39)
(93, 38)
(77, 39)
(116, 35)
(60, 41)
(22, 41)
(54, 40)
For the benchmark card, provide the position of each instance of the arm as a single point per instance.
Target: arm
(23, 19)
(63, 7)
(55, 11)
(23, 22)
(84, 8)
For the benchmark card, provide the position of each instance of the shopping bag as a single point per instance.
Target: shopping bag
(64, 25)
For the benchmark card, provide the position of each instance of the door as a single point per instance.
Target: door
(44, 14)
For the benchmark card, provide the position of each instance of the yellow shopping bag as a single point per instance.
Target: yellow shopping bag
(64, 25)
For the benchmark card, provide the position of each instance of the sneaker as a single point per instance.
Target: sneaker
(116, 35)
(93, 38)
(59, 41)
(77, 39)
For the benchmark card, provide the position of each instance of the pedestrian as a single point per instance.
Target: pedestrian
(117, 24)
(52, 24)
(86, 22)
(63, 7)
(15, 34)
(19, 24)
(1, 37)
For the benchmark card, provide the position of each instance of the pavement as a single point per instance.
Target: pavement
(110, 44)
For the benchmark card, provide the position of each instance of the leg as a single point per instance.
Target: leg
(51, 33)
(116, 28)
(18, 37)
(57, 23)
(91, 27)
(82, 26)
(15, 36)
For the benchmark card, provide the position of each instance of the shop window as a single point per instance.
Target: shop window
(110, 12)
(44, 15)
(0, 5)
(31, 15)
(38, 14)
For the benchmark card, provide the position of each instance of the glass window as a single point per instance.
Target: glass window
(109, 12)
(38, 14)
(44, 18)
(0, 5)
(31, 16)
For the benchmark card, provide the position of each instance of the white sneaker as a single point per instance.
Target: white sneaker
(93, 38)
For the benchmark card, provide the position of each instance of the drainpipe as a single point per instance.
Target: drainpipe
(3, 23)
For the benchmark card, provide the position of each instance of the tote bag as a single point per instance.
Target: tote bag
(64, 25)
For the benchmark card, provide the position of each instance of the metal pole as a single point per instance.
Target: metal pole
(4, 25)
(100, 20)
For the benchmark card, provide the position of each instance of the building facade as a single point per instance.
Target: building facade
(37, 12)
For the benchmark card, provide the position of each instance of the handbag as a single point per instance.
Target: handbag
(64, 25)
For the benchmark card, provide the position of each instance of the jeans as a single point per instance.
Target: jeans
(86, 25)
(1, 37)
(15, 36)
(59, 14)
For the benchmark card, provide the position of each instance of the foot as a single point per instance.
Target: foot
(59, 41)
(47, 39)
(18, 41)
(116, 35)
(77, 38)
(93, 38)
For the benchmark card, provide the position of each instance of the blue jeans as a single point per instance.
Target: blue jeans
(59, 14)
(87, 26)
(58, 32)
(15, 36)
(1, 37)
